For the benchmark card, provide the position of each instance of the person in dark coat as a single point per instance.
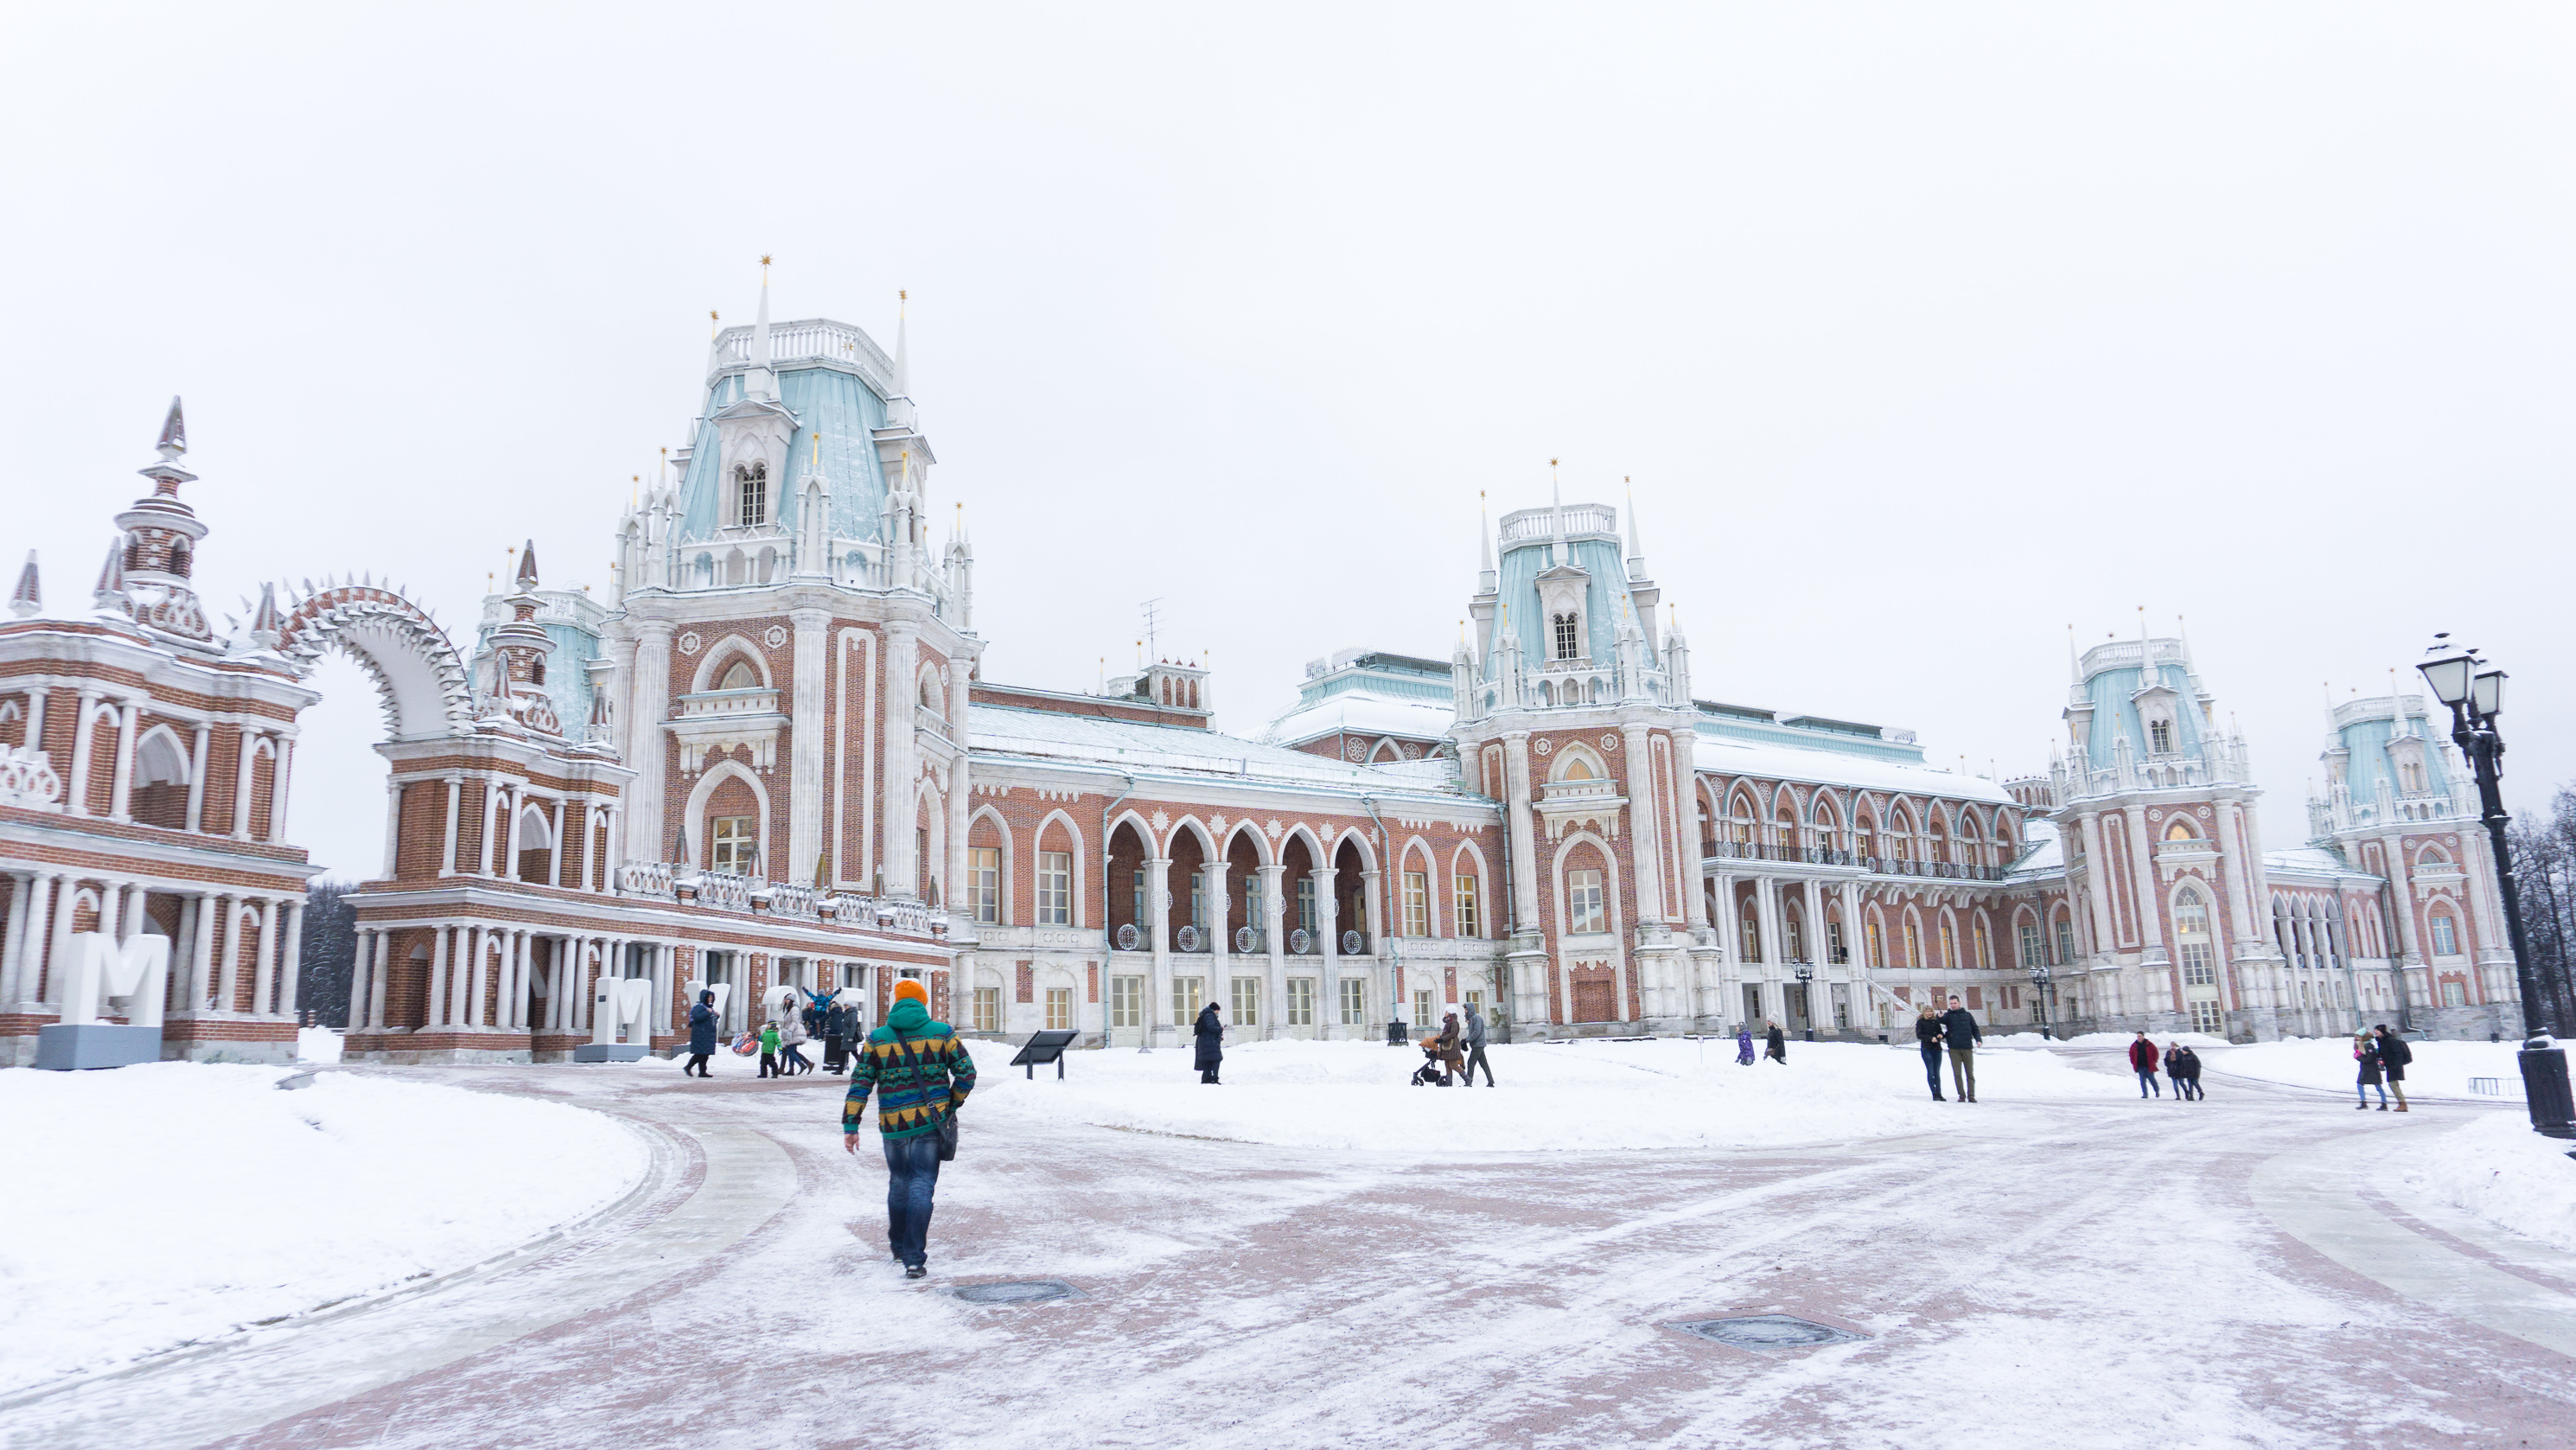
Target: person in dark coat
(2142, 1061)
(2184, 1068)
(2365, 1054)
(836, 1036)
(2394, 1054)
(1476, 1048)
(1210, 1033)
(1775, 1044)
(1927, 1040)
(1960, 1031)
(702, 1034)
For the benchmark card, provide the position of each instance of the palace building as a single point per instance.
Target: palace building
(769, 759)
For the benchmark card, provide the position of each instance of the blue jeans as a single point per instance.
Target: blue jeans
(2147, 1080)
(912, 1176)
(2361, 1090)
(1932, 1066)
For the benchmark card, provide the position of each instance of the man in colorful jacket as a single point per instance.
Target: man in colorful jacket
(921, 1074)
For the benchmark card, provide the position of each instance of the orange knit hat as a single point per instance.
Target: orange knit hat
(915, 990)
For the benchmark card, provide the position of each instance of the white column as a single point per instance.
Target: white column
(555, 857)
(2097, 885)
(120, 799)
(1273, 909)
(1766, 904)
(1516, 784)
(612, 849)
(76, 792)
(447, 852)
(58, 951)
(489, 843)
(292, 967)
(1645, 820)
(463, 987)
(642, 729)
(362, 970)
(523, 976)
(393, 827)
(248, 758)
(1329, 950)
(377, 987)
(26, 913)
(34, 736)
(807, 744)
(2151, 936)
(263, 981)
(227, 946)
(197, 777)
(1158, 899)
(2249, 928)
(903, 874)
(207, 926)
(514, 800)
(278, 792)
(1730, 939)
(433, 1012)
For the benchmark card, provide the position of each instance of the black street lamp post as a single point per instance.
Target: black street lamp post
(2039, 997)
(1806, 997)
(2475, 694)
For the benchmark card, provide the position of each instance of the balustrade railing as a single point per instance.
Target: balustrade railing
(734, 891)
(1875, 865)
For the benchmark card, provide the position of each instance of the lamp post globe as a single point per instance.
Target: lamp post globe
(2474, 691)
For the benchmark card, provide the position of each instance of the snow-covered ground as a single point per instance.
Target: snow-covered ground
(2440, 1069)
(1575, 1096)
(151, 1206)
(317, 1044)
(2500, 1170)
(2196, 1041)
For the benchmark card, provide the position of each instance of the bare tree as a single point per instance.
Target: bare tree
(330, 953)
(2544, 872)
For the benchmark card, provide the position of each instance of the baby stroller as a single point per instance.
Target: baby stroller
(1436, 1064)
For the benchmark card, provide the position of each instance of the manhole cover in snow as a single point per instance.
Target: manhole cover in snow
(1767, 1331)
(1017, 1291)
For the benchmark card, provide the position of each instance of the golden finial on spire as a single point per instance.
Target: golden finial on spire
(715, 324)
(764, 262)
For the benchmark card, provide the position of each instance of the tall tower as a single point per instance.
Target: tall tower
(2398, 804)
(1578, 719)
(790, 649)
(2156, 806)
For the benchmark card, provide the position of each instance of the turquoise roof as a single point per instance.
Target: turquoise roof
(2367, 767)
(1606, 596)
(2114, 712)
(843, 408)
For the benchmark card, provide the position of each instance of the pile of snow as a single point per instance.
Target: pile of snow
(2200, 1042)
(2440, 1069)
(2500, 1170)
(317, 1044)
(155, 1205)
(1670, 1093)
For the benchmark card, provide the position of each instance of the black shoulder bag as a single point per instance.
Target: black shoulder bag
(948, 1122)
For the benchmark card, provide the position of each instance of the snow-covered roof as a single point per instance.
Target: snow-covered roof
(1361, 712)
(1168, 750)
(2307, 859)
(2043, 849)
(1727, 755)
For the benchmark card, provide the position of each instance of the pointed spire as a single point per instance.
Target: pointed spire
(174, 431)
(902, 343)
(1636, 536)
(1556, 518)
(528, 566)
(110, 591)
(2074, 671)
(267, 625)
(1484, 547)
(29, 596)
(760, 382)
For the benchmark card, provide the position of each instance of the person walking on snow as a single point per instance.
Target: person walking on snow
(702, 1034)
(2184, 1068)
(2394, 1054)
(1743, 1044)
(1775, 1043)
(2173, 1052)
(921, 1075)
(1476, 1048)
(1446, 1043)
(1210, 1036)
(1927, 1039)
(2365, 1053)
(1960, 1030)
(2142, 1061)
(769, 1050)
(791, 1046)
(836, 1037)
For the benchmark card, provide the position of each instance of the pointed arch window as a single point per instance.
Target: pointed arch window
(2160, 736)
(1567, 641)
(739, 676)
(751, 494)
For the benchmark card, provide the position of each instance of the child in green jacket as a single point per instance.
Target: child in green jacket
(769, 1050)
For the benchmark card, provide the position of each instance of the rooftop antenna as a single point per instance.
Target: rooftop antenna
(1153, 622)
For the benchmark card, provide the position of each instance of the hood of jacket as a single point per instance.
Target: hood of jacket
(908, 1016)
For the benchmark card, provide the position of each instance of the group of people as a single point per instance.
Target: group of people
(2179, 1062)
(1775, 1044)
(2382, 1056)
(1954, 1033)
(781, 1040)
(1452, 1054)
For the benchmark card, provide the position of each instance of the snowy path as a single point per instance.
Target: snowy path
(2071, 1272)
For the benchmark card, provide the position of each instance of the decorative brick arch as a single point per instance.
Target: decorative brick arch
(423, 682)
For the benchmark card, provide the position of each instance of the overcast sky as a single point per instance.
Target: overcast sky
(1924, 331)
